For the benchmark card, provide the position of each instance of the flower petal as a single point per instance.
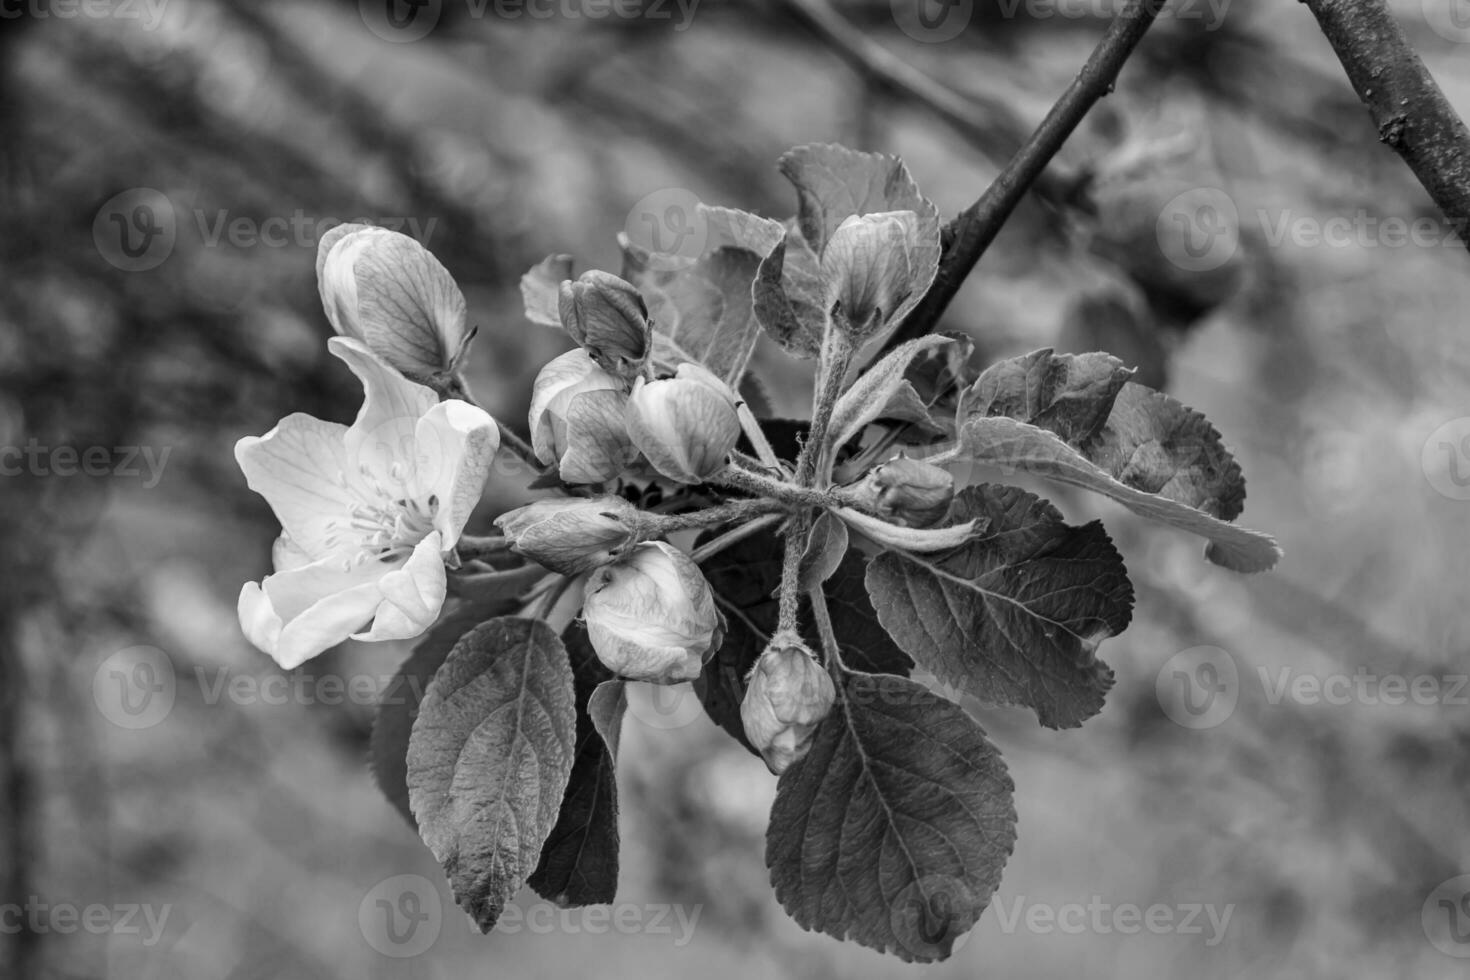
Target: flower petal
(390, 291)
(298, 468)
(455, 445)
(413, 594)
(297, 614)
(380, 443)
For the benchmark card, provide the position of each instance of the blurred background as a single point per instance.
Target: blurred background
(1227, 221)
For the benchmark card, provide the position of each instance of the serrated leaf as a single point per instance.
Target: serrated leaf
(489, 759)
(834, 183)
(579, 862)
(788, 297)
(1069, 394)
(745, 577)
(1006, 442)
(1015, 616)
(1153, 443)
(539, 286)
(874, 392)
(398, 705)
(896, 827)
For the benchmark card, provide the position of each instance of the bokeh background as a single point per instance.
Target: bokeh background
(1339, 371)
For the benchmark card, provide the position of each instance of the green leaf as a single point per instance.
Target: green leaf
(579, 862)
(703, 308)
(1154, 444)
(788, 295)
(490, 757)
(1069, 394)
(1015, 616)
(896, 827)
(398, 705)
(834, 183)
(1016, 445)
(745, 577)
(539, 286)
(874, 392)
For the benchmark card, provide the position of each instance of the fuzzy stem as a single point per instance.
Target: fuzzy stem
(471, 547)
(831, 650)
(837, 351)
(761, 485)
(657, 525)
(797, 532)
(714, 546)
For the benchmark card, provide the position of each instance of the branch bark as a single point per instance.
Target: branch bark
(967, 237)
(1413, 116)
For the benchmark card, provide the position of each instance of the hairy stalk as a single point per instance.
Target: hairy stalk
(967, 237)
(760, 485)
(714, 546)
(471, 547)
(1414, 119)
(832, 653)
(655, 525)
(797, 532)
(837, 351)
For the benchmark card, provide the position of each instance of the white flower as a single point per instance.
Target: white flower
(367, 512)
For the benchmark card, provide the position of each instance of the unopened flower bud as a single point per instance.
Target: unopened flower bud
(651, 615)
(570, 535)
(908, 491)
(686, 425)
(578, 419)
(387, 290)
(607, 316)
(786, 697)
(869, 268)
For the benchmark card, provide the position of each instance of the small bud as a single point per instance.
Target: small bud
(786, 696)
(686, 425)
(607, 316)
(388, 291)
(570, 535)
(869, 268)
(577, 419)
(908, 491)
(651, 615)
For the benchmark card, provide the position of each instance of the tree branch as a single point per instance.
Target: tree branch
(967, 237)
(1414, 119)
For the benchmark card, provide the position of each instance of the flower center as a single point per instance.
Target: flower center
(385, 523)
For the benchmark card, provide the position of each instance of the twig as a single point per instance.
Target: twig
(983, 122)
(968, 236)
(1414, 119)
